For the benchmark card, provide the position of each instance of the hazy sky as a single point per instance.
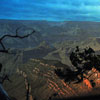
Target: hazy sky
(52, 10)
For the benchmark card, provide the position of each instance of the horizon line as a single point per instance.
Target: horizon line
(48, 20)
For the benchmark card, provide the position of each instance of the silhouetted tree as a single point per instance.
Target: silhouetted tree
(83, 60)
(5, 50)
(3, 94)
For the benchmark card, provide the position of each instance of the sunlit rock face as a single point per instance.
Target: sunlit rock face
(46, 85)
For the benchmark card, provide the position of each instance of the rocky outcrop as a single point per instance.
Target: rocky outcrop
(42, 83)
(27, 86)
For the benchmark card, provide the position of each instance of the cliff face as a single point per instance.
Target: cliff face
(45, 84)
(52, 41)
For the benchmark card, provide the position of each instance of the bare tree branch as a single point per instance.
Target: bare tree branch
(2, 45)
(16, 36)
(4, 49)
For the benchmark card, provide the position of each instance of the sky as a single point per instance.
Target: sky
(50, 10)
